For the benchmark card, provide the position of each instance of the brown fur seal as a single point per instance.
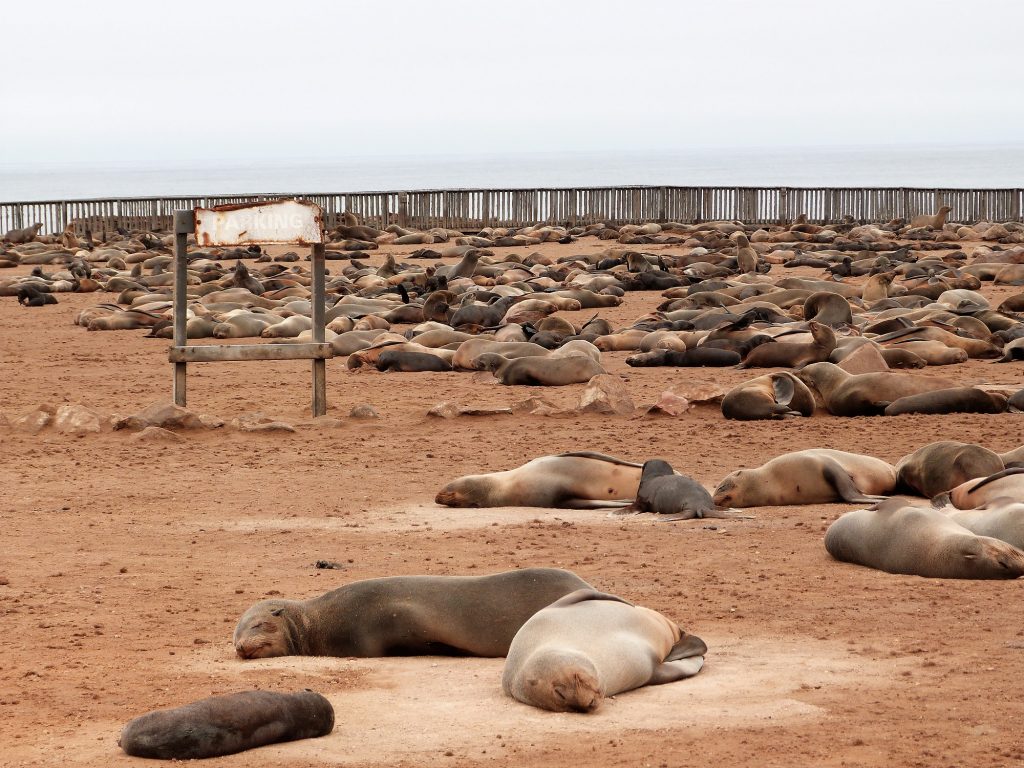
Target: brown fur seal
(541, 371)
(1008, 483)
(937, 467)
(935, 220)
(224, 725)
(788, 355)
(1001, 519)
(408, 361)
(919, 541)
(698, 357)
(814, 476)
(589, 645)
(866, 394)
(23, 235)
(664, 492)
(953, 400)
(582, 480)
(774, 396)
(404, 616)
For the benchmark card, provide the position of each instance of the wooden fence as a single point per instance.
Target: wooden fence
(471, 209)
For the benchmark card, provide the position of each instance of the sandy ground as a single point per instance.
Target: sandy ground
(126, 564)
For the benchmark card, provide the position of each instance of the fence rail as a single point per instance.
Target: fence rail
(471, 209)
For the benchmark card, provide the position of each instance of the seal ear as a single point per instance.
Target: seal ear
(277, 612)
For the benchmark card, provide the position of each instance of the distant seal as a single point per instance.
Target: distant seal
(698, 357)
(937, 467)
(813, 476)
(935, 220)
(541, 371)
(664, 492)
(467, 355)
(953, 400)
(583, 480)
(404, 616)
(773, 396)
(919, 541)
(589, 645)
(866, 394)
(790, 355)
(972, 494)
(224, 725)
(23, 235)
(408, 361)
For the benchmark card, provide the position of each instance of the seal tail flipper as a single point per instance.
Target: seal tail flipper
(847, 490)
(719, 513)
(671, 671)
(687, 646)
(942, 500)
(594, 503)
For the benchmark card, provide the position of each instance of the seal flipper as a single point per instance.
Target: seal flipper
(687, 647)
(574, 503)
(670, 671)
(840, 479)
(783, 389)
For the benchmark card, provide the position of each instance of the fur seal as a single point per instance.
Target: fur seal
(813, 476)
(408, 361)
(773, 396)
(953, 400)
(937, 467)
(404, 616)
(919, 541)
(789, 355)
(866, 394)
(1001, 519)
(1008, 483)
(583, 480)
(541, 371)
(589, 645)
(935, 220)
(664, 492)
(698, 357)
(224, 725)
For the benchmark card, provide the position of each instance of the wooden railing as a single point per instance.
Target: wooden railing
(471, 209)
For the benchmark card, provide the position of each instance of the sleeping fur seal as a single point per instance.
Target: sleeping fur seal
(589, 645)
(937, 467)
(919, 541)
(1007, 483)
(404, 616)
(583, 480)
(866, 394)
(773, 396)
(954, 400)
(664, 492)
(224, 725)
(541, 371)
(1001, 519)
(814, 476)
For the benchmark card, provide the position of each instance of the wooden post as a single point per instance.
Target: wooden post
(184, 223)
(319, 364)
(403, 209)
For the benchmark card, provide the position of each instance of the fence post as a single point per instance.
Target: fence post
(403, 209)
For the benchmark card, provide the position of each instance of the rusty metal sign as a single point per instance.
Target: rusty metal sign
(283, 222)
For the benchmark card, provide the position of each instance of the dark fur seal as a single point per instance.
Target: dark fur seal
(664, 492)
(953, 400)
(404, 616)
(938, 467)
(224, 725)
(774, 396)
(698, 357)
(411, 362)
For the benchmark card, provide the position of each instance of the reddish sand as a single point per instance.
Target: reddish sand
(126, 565)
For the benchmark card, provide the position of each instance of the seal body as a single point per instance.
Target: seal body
(404, 615)
(919, 541)
(1001, 519)
(1007, 483)
(937, 467)
(589, 645)
(773, 396)
(664, 492)
(582, 480)
(224, 725)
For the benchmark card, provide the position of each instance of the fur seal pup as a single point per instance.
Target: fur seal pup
(541, 371)
(813, 476)
(773, 396)
(583, 480)
(664, 492)
(866, 394)
(404, 616)
(224, 725)
(789, 355)
(954, 400)
(589, 645)
(937, 467)
(1008, 483)
(921, 542)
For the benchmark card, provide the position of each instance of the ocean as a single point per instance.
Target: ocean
(922, 166)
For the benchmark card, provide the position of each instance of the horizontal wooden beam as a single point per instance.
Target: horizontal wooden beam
(227, 353)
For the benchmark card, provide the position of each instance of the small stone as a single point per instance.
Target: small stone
(157, 435)
(33, 422)
(364, 411)
(166, 415)
(257, 421)
(76, 420)
(866, 359)
(669, 404)
(448, 409)
(605, 393)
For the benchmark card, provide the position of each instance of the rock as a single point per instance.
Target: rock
(258, 421)
(326, 422)
(536, 406)
(703, 394)
(470, 410)
(669, 404)
(35, 421)
(448, 409)
(76, 420)
(166, 415)
(866, 359)
(605, 393)
(364, 411)
(156, 435)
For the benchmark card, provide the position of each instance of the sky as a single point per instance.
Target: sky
(227, 81)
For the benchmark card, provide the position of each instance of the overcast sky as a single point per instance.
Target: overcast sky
(186, 81)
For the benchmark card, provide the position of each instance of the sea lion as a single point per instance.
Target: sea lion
(935, 220)
(408, 361)
(1001, 519)
(541, 371)
(224, 725)
(404, 616)
(788, 355)
(583, 480)
(919, 541)
(773, 396)
(813, 476)
(589, 645)
(953, 400)
(664, 492)
(972, 494)
(698, 357)
(937, 467)
(23, 235)
(865, 394)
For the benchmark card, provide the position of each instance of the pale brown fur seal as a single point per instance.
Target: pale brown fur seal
(868, 393)
(919, 541)
(1001, 519)
(589, 645)
(404, 615)
(813, 476)
(224, 725)
(1007, 483)
(773, 396)
(780, 354)
(935, 220)
(546, 371)
(939, 466)
(583, 480)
